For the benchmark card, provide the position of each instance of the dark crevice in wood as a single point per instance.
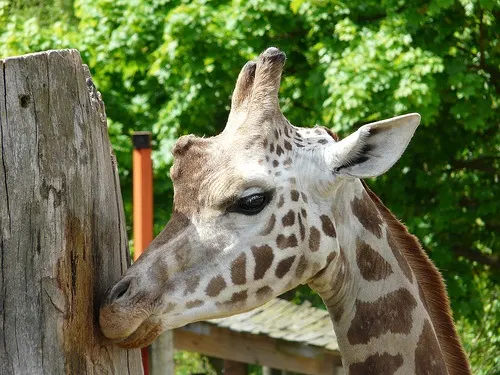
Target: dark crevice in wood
(2, 145)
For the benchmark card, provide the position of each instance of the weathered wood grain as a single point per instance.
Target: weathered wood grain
(62, 229)
(209, 339)
(280, 319)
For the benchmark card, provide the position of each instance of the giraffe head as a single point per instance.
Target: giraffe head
(251, 212)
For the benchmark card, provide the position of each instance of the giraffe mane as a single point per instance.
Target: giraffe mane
(433, 288)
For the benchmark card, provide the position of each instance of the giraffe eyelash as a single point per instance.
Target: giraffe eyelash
(251, 204)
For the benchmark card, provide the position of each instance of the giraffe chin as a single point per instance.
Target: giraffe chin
(143, 336)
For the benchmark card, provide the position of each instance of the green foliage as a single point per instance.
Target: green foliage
(187, 363)
(170, 67)
(483, 340)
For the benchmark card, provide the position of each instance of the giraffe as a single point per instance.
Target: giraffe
(265, 206)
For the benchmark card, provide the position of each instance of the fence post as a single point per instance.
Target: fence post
(62, 229)
(142, 205)
(157, 359)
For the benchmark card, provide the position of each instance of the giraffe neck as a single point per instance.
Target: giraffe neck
(378, 311)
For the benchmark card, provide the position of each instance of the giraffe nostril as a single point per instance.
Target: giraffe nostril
(119, 290)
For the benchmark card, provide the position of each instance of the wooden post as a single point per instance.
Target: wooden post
(62, 229)
(142, 192)
(142, 169)
(157, 359)
(161, 358)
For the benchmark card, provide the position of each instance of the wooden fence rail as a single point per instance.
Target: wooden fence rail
(62, 229)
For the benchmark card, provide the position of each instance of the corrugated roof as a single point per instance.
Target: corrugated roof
(284, 320)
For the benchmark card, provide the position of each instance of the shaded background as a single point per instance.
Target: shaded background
(170, 67)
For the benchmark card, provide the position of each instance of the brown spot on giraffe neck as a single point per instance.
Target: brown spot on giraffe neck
(428, 356)
(377, 364)
(331, 257)
(289, 219)
(302, 229)
(336, 312)
(366, 212)
(294, 194)
(238, 270)
(191, 284)
(402, 262)
(301, 267)
(281, 201)
(264, 292)
(285, 242)
(327, 226)
(269, 226)
(314, 239)
(239, 296)
(263, 256)
(195, 303)
(284, 266)
(216, 285)
(372, 265)
(279, 150)
(390, 313)
(169, 308)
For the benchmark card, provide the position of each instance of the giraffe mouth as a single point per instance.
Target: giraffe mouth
(129, 328)
(143, 336)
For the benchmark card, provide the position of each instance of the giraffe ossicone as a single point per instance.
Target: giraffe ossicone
(265, 206)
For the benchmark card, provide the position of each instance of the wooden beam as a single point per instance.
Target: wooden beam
(262, 350)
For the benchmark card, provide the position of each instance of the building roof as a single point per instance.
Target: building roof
(284, 320)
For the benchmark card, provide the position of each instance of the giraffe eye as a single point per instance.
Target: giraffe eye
(251, 204)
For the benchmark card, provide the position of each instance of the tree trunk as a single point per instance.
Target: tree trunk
(62, 228)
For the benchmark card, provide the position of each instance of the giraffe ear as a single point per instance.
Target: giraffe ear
(373, 148)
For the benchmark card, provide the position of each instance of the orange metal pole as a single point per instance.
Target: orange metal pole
(142, 204)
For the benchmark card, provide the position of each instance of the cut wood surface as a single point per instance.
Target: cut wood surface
(62, 230)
